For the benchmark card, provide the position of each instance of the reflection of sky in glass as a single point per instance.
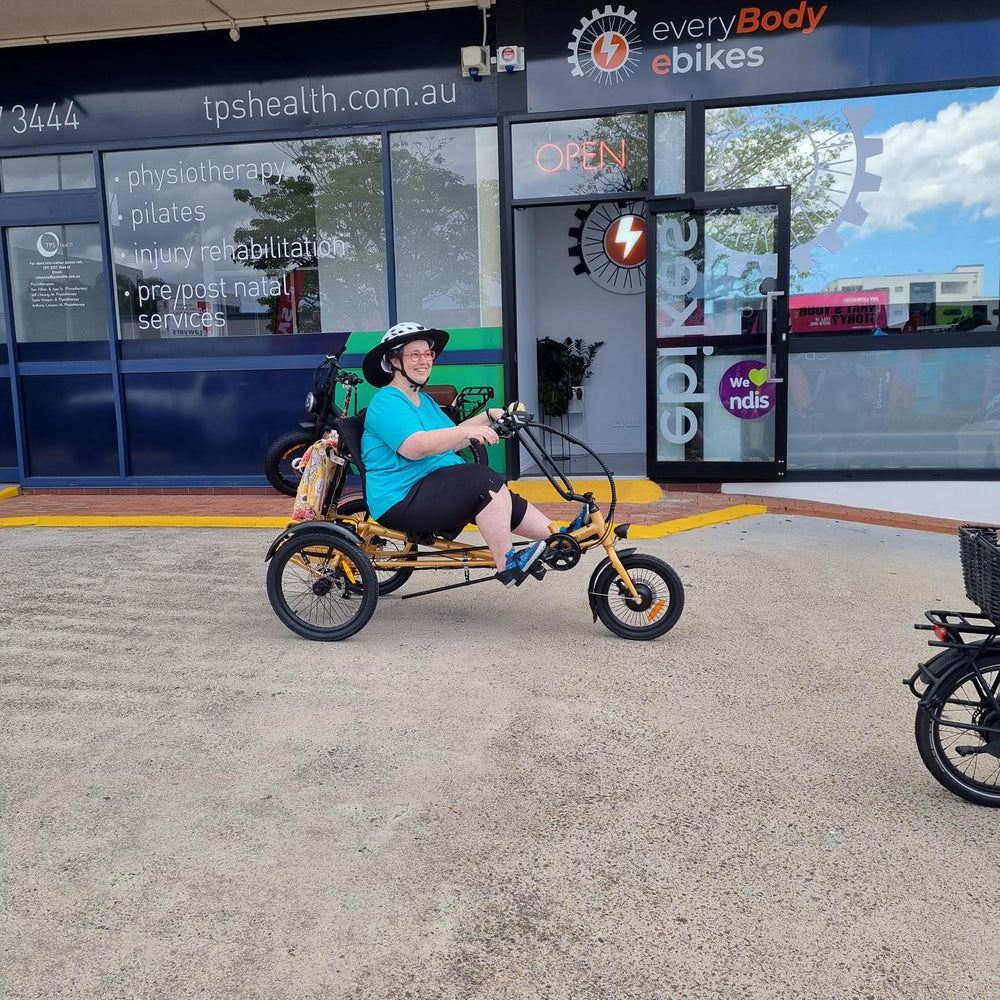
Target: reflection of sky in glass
(938, 202)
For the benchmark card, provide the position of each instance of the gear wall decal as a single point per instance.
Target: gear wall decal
(604, 47)
(610, 245)
(826, 169)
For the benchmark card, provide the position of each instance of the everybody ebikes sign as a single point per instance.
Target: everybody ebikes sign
(654, 51)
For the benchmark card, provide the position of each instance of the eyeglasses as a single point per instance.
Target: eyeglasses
(420, 356)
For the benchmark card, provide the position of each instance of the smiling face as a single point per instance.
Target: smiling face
(417, 358)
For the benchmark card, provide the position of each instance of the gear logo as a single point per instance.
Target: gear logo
(605, 46)
(610, 243)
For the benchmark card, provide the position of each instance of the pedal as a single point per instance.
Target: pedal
(537, 570)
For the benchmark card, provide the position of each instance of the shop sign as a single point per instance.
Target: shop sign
(840, 312)
(275, 78)
(583, 56)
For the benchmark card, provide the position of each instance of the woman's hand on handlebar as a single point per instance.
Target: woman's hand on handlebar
(485, 435)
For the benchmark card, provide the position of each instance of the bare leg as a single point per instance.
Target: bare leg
(494, 525)
(535, 524)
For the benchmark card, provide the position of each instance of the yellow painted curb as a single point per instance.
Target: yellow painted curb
(696, 521)
(9, 492)
(627, 490)
(140, 521)
(660, 530)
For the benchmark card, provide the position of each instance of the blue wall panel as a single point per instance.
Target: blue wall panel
(215, 423)
(70, 425)
(8, 451)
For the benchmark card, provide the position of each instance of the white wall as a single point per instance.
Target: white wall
(973, 502)
(554, 302)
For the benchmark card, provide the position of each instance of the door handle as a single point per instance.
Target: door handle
(771, 296)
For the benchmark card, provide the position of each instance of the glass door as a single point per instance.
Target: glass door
(717, 312)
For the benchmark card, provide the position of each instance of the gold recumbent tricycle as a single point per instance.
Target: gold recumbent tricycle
(325, 576)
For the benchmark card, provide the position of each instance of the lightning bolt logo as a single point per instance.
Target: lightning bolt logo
(610, 50)
(627, 236)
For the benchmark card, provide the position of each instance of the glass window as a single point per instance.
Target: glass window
(47, 173)
(895, 409)
(584, 156)
(897, 197)
(58, 290)
(446, 226)
(245, 240)
(713, 405)
(668, 151)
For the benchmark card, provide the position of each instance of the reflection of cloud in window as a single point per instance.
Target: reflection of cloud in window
(951, 159)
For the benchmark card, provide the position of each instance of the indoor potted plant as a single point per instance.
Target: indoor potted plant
(563, 367)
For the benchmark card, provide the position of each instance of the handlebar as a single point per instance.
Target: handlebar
(510, 422)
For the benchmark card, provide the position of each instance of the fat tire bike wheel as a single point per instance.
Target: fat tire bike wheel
(955, 757)
(389, 580)
(279, 458)
(661, 596)
(322, 586)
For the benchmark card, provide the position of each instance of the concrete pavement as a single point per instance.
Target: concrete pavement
(483, 794)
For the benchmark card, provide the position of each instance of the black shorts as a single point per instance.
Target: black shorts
(449, 499)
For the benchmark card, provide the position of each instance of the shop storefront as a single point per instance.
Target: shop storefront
(777, 227)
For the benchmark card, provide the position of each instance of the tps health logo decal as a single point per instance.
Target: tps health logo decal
(605, 46)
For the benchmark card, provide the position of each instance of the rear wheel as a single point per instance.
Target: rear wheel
(322, 586)
(279, 458)
(661, 597)
(388, 580)
(967, 760)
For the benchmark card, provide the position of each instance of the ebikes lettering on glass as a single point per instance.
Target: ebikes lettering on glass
(680, 274)
(679, 391)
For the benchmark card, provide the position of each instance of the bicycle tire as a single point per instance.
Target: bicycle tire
(278, 460)
(973, 776)
(322, 586)
(661, 598)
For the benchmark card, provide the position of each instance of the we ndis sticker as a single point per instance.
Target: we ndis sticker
(745, 391)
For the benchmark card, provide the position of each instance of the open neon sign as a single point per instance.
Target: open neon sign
(592, 155)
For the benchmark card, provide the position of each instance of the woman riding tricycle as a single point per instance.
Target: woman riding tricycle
(325, 576)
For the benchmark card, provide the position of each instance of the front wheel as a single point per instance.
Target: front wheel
(279, 458)
(322, 586)
(965, 760)
(661, 597)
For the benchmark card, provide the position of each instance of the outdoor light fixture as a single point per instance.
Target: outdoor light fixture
(234, 31)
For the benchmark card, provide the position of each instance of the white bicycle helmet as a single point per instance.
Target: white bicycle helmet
(376, 367)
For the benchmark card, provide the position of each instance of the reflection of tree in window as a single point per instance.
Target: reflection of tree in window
(337, 198)
(815, 157)
(436, 232)
(617, 132)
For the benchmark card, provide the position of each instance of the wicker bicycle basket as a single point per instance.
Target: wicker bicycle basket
(980, 554)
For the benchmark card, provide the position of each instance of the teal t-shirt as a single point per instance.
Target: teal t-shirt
(390, 419)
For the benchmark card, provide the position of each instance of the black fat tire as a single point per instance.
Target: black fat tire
(278, 460)
(351, 590)
(388, 580)
(653, 577)
(976, 777)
